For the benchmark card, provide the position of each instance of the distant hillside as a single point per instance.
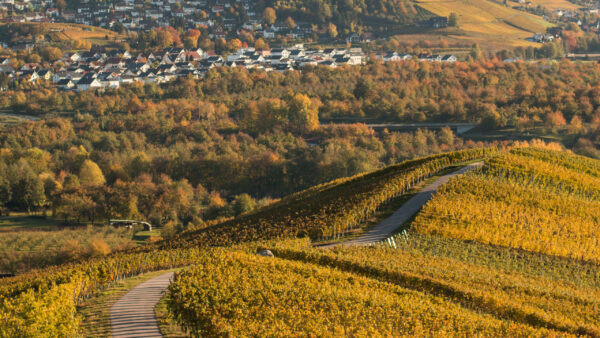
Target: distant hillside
(488, 23)
(349, 14)
(59, 34)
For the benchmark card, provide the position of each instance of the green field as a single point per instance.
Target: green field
(28, 242)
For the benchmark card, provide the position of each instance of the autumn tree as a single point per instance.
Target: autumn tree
(269, 16)
(303, 113)
(61, 5)
(233, 45)
(90, 174)
(260, 44)
(51, 53)
(242, 204)
(28, 192)
(332, 30)
(289, 22)
(453, 20)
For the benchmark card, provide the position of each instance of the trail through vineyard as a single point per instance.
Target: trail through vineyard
(133, 314)
(391, 224)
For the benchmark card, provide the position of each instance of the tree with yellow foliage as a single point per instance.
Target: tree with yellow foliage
(90, 174)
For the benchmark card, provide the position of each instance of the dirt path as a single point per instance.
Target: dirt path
(133, 314)
(386, 227)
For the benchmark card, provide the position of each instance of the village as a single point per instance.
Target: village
(136, 15)
(110, 69)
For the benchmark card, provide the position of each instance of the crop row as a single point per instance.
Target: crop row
(232, 293)
(508, 209)
(324, 211)
(513, 296)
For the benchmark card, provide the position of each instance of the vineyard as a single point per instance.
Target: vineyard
(510, 295)
(502, 205)
(510, 249)
(267, 297)
(328, 210)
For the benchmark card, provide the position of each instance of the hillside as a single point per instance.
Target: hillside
(489, 24)
(67, 35)
(508, 249)
(501, 205)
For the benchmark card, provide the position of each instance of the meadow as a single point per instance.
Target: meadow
(30, 242)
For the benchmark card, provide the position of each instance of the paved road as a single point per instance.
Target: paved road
(133, 314)
(384, 229)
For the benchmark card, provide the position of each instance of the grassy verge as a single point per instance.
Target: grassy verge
(142, 237)
(168, 326)
(95, 311)
(17, 222)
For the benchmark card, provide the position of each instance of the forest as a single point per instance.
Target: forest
(237, 139)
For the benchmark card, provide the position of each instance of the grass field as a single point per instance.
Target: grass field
(67, 33)
(489, 24)
(94, 35)
(28, 242)
(24, 222)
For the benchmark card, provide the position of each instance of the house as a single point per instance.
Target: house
(65, 84)
(194, 56)
(87, 83)
(68, 15)
(45, 74)
(391, 56)
(282, 67)
(542, 38)
(434, 58)
(423, 56)
(74, 57)
(30, 75)
(449, 58)
(7, 69)
(353, 38)
(328, 63)
(438, 22)
(52, 12)
(297, 54)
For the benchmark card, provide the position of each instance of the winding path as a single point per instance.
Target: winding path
(133, 314)
(386, 227)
